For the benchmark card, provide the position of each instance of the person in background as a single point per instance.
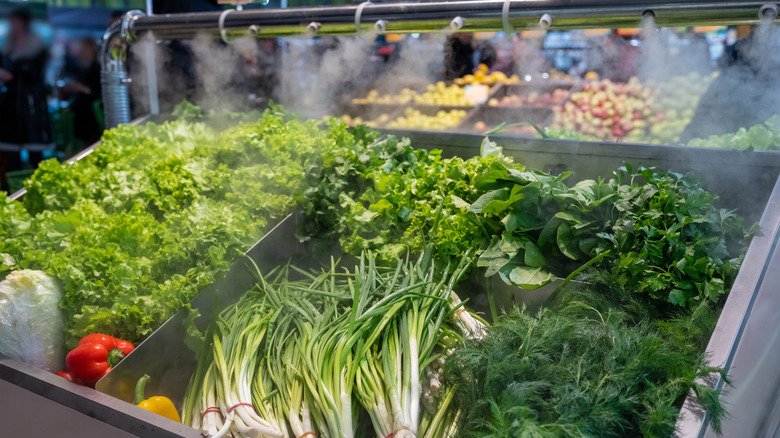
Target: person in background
(458, 56)
(614, 58)
(527, 56)
(82, 67)
(505, 62)
(24, 116)
(745, 92)
(486, 53)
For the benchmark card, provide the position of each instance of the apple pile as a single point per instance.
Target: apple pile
(608, 111)
(677, 100)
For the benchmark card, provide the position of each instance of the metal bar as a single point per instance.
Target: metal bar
(435, 16)
(745, 339)
(102, 407)
(151, 68)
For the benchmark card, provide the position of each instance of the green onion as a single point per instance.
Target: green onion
(306, 356)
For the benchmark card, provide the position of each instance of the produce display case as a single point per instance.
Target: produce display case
(757, 197)
(744, 342)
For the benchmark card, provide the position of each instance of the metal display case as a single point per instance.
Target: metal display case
(751, 306)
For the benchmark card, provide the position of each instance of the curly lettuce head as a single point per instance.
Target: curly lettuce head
(32, 328)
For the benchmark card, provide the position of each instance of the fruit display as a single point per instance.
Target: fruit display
(405, 96)
(674, 107)
(414, 119)
(533, 99)
(481, 76)
(375, 123)
(438, 94)
(608, 111)
(441, 94)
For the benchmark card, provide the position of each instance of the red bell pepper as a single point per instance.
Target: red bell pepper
(95, 355)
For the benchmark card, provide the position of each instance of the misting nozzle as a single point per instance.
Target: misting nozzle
(768, 11)
(457, 23)
(253, 30)
(545, 22)
(314, 27)
(380, 26)
(648, 14)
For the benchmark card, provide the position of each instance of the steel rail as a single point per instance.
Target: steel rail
(475, 15)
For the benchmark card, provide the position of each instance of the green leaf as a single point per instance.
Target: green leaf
(459, 202)
(530, 278)
(547, 238)
(533, 256)
(493, 259)
(713, 289)
(491, 202)
(489, 148)
(679, 297)
(568, 217)
(567, 244)
(521, 221)
(496, 176)
(366, 217)
(510, 244)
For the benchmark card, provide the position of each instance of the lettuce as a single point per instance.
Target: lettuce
(32, 328)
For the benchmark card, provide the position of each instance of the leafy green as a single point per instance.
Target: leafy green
(388, 196)
(156, 213)
(671, 240)
(665, 234)
(600, 363)
(764, 137)
(563, 134)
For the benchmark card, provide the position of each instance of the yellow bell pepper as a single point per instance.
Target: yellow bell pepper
(157, 404)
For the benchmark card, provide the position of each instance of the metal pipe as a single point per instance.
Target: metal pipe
(113, 80)
(113, 75)
(478, 15)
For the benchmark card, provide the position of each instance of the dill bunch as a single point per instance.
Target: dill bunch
(598, 363)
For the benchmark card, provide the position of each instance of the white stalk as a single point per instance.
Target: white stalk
(346, 412)
(414, 407)
(295, 423)
(306, 416)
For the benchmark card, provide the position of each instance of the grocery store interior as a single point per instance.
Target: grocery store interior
(414, 219)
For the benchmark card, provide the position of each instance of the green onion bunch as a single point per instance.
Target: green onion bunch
(334, 354)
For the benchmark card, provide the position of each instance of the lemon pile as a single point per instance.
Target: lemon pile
(440, 94)
(414, 119)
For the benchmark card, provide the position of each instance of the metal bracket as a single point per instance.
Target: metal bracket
(508, 28)
(126, 33)
(222, 31)
(358, 13)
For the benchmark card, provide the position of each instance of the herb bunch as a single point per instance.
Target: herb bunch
(600, 363)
